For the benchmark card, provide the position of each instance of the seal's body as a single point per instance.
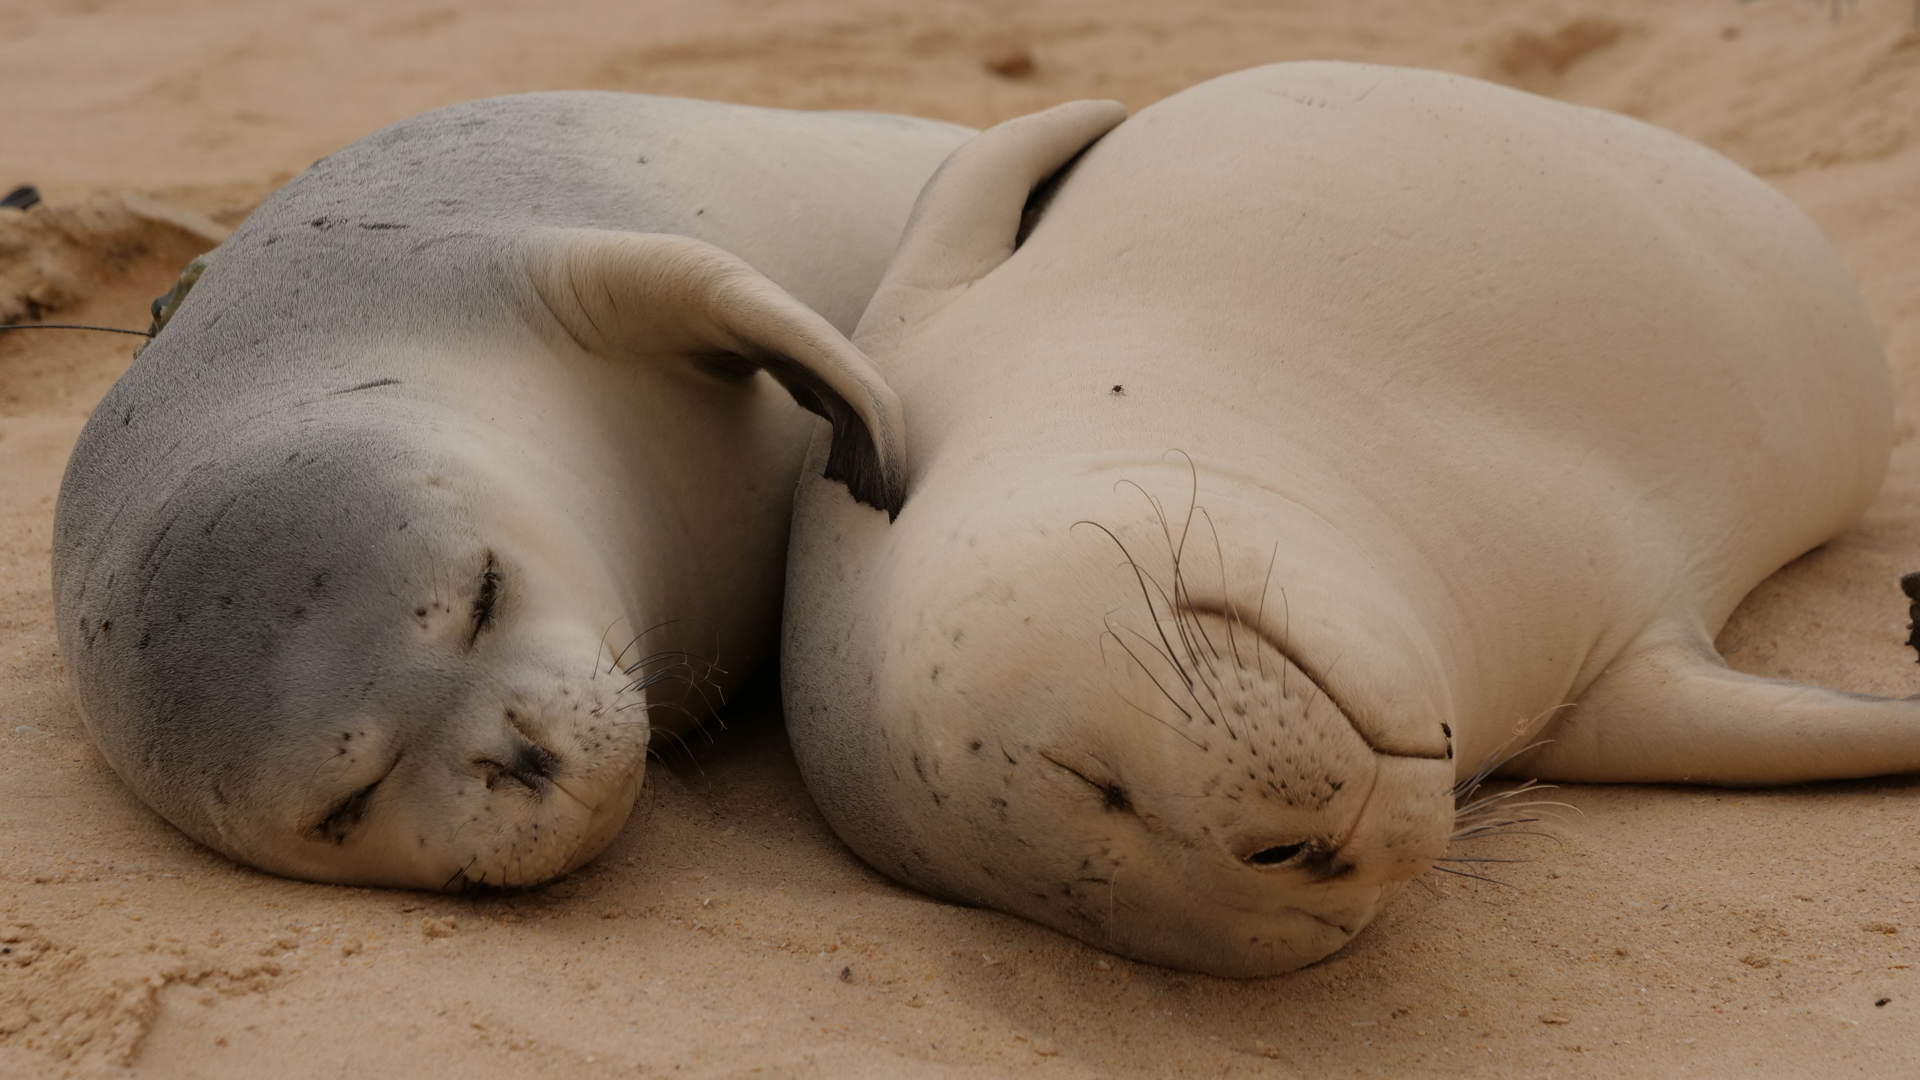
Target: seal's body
(1483, 405)
(452, 471)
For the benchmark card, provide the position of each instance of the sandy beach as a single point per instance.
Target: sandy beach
(1666, 932)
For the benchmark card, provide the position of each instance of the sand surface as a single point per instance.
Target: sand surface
(1671, 932)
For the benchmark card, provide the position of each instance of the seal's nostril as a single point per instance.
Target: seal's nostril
(528, 767)
(1320, 858)
(1274, 856)
(535, 760)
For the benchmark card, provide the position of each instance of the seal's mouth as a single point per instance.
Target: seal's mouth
(519, 772)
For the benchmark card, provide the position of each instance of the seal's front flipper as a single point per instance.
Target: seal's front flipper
(972, 213)
(635, 294)
(1671, 711)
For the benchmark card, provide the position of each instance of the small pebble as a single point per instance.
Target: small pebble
(1014, 63)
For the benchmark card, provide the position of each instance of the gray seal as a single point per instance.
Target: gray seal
(452, 475)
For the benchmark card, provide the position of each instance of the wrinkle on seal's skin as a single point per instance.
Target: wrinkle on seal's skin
(1110, 462)
(1323, 922)
(591, 808)
(564, 325)
(1373, 785)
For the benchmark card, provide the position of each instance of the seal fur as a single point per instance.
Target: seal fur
(449, 477)
(1483, 405)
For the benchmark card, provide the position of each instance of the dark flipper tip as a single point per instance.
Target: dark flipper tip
(853, 458)
(853, 461)
(1910, 584)
(23, 197)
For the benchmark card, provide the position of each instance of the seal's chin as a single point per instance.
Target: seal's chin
(1254, 944)
(1163, 782)
(1215, 907)
(1160, 872)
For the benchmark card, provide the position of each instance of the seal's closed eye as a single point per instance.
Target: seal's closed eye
(486, 600)
(346, 815)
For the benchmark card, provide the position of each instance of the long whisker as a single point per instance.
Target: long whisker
(459, 874)
(75, 326)
(1233, 612)
(1260, 619)
(1163, 721)
(1141, 577)
(621, 655)
(1143, 667)
(1476, 877)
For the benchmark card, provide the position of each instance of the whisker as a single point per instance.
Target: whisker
(1141, 577)
(1198, 703)
(604, 631)
(636, 639)
(1260, 619)
(73, 326)
(459, 874)
(1503, 832)
(1477, 801)
(1163, 721)
(1286, 624)
(1494, 763)
(1469, 874)
(1193, 677)
(1233, 613)
(685, 748)
(1136, 659)
(1193, 499)
(1512, 807)
(664, 654)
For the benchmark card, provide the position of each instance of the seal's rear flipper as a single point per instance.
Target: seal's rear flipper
(628, 294)
(1910, 584)
(1671, 711)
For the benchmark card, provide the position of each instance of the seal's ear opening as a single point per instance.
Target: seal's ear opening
(630, 294)
(976, 208)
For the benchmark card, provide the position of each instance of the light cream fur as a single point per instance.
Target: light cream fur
(1335, 428)
(451, 479)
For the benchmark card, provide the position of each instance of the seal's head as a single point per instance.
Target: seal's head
(1117, 725)
(1214, 741)
(397, 631)
(376, 660)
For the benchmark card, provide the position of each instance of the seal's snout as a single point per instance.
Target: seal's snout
(534, 761)
(1118, 734)
(531, 767)
(531, 759)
